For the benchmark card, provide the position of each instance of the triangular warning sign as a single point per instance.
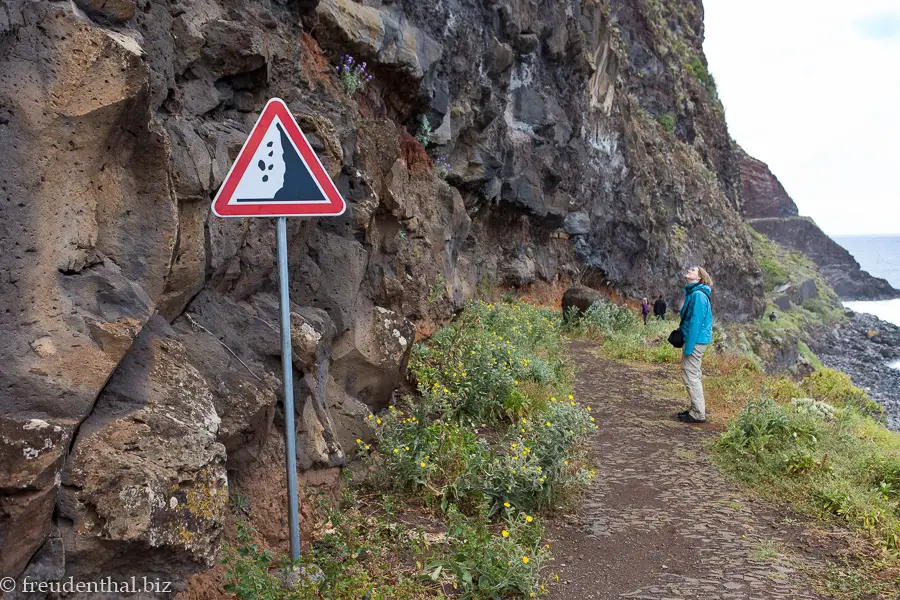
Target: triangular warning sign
(277, 174)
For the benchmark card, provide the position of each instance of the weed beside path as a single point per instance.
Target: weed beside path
(660, 521)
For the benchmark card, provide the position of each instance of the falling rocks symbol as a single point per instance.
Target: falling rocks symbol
(297, 181)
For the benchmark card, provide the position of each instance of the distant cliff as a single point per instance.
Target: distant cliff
(763, 194)
(772, 212)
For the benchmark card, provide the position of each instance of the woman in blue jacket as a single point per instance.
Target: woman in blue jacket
(696, 325)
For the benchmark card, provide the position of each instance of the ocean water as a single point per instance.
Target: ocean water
(877, 254)
(880, 256)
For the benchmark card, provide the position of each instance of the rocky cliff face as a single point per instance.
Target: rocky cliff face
(764, 196)
(772, 212)
(140, 358)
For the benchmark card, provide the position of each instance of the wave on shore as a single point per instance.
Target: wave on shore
(886, 310)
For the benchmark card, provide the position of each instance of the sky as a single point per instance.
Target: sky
(812, 88)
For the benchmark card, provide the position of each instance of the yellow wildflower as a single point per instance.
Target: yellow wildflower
(504, 533)
(529, 518)
(525, 559)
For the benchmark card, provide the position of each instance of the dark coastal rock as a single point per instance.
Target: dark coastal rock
(863, 348)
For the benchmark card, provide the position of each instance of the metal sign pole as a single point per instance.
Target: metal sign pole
(287, 367)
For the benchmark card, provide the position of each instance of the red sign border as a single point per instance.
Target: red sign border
(335, 205)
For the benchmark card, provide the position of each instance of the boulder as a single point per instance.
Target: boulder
(579, 298)
(519, 270)
(808, 290)
(783, 302)
(111, 11)
(32, 452)
(369, 361)
(232, 48)
(375, 33)
(338, 295)
(577, 223)
(146, 476)
(500, 58)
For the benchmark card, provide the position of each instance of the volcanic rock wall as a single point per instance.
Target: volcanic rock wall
(140, 357)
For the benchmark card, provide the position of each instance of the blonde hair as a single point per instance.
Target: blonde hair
(705, 278)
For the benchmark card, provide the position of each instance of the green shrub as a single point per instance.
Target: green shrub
(774, 273)
(537, 460)
(601, 319)
(784, 390)
(422, 130)
(837, 388)
(667, 121)
(480, 360)
(828, 461)
(496, 368)
(491, 564)
(760, 425)
(432, 454)
(623, 333)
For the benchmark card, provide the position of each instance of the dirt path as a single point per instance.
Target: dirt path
(661, 522)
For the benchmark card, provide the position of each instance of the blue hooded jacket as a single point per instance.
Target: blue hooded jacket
(696, 316)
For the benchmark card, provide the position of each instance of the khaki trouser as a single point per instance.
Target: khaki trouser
(692, 375)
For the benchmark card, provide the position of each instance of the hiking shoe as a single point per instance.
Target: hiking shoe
(683, 414)
(687, 418)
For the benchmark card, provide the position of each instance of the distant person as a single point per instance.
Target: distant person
(659, 309)
(772, 317)
(645, 309)
(696, 325)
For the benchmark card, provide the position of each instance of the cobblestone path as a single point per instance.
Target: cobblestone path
(661, 522)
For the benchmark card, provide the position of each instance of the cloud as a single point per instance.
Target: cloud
(879, 27)
(806, 91)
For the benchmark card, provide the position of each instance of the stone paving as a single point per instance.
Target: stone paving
(661, 522)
